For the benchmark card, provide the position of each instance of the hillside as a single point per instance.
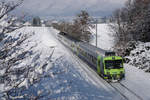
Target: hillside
(38, 66)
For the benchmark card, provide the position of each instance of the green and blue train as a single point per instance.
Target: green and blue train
(105, 63)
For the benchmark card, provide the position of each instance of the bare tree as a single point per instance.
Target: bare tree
(5, 8)
(80, 28)
(82, 25)
(131, 23)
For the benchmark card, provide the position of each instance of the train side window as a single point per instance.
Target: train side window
(93, 59)
(84, 53)
(88, 55)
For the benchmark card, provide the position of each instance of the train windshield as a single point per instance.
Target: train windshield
(113, 64)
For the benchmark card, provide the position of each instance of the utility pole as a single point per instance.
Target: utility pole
(96, 32)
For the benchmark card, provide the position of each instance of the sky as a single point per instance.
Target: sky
(68, 8)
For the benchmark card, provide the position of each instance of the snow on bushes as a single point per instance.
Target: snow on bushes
(23, 60)
(140, 56)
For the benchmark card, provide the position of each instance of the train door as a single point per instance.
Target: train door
(98, 65)
(101, 66)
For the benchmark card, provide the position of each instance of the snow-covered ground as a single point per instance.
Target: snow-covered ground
(135, 79)
(55, 73)
(42, 68)
(138, 81)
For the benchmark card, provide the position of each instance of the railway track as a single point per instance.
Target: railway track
(119, 87)
(131, 91)
(125, 91)
(83, 65)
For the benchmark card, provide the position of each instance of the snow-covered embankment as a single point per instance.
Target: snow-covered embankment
(34, 65)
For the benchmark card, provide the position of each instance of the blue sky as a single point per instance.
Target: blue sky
(68, 8)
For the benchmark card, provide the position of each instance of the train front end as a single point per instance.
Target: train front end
(113, 68)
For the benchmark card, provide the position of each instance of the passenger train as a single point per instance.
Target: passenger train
(105, 63)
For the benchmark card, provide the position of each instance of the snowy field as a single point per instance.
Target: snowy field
(135, 79)
(44, 69)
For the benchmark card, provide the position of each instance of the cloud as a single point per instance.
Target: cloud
(69, 7)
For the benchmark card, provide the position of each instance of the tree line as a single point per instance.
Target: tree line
(131, 23)
(79, 29)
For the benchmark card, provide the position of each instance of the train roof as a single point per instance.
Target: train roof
(94, 50)
(68, 37)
